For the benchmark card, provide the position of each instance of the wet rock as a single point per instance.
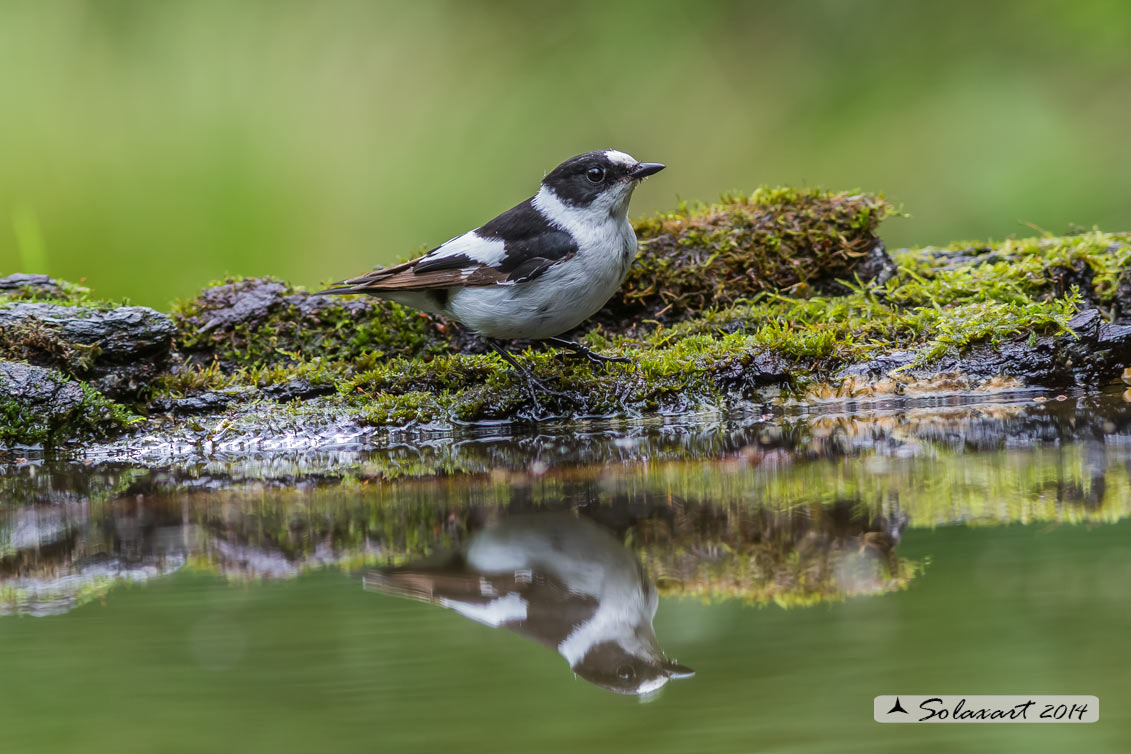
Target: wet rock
(202, 402)
(40, 406)
(297, 389)
(1094, 353)
(1078, 276)
(879, 367)
(951, 259)
(875, 267)
(42, 390)
(37, 283)
(210, 401)
(247, 302)
(1121, 306)
(118, 351)
(745, 376)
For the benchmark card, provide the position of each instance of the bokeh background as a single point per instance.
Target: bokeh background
(150, 147)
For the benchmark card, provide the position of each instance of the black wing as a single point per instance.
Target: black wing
(531, 246)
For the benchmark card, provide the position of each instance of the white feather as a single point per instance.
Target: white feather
(571, 291)
(487, 251)
(494, 613)
(614, 155)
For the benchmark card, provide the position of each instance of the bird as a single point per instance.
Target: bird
(561, 580)
(537, 270)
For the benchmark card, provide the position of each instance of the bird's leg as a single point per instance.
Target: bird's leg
(585, 352)
(532, 384)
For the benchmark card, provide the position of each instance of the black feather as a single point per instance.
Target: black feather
(531, 242)
(453, 262)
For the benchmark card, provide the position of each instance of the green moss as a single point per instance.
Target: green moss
(1026, 263)
(465, 387)
(37, 341)
(776, 239)
(54, 292)
(400, 410)
(261, 321)
(932, 307)
(93, 416)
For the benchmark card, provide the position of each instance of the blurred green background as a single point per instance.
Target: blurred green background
(150, 147)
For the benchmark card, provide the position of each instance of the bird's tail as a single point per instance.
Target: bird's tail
(339, 288)
(369, 283)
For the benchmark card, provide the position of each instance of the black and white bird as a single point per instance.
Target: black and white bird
(536, 271)
(560, 580)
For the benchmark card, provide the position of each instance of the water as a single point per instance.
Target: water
(805, 562)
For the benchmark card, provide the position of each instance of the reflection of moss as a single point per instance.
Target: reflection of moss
(65, 596)
(762, 524)
(824, 552)
(52, 593)
(790, 558)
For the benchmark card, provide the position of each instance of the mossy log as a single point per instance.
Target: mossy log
(783, 294)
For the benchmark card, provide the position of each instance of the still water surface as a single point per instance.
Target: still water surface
(799, 566)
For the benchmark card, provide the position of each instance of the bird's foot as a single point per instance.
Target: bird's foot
(535, 387)
(538, 389)
(577, 350)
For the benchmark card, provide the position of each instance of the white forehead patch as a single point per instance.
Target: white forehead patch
(620, 158)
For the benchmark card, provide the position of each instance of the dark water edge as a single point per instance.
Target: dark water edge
(290, 456)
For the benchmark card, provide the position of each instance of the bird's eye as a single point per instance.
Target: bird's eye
(595, 174)
(626, 672)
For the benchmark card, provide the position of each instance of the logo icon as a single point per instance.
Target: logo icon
(897, 707)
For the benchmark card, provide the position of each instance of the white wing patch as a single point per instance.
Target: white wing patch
(485, 251)
(495, 613)
(619, 157)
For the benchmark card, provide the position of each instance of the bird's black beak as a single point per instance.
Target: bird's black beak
(674, 669)
(645, 169)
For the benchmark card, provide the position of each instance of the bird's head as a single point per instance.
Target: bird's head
(612, 667)
(601, 180)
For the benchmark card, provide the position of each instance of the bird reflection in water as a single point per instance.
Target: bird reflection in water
(560, 580)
